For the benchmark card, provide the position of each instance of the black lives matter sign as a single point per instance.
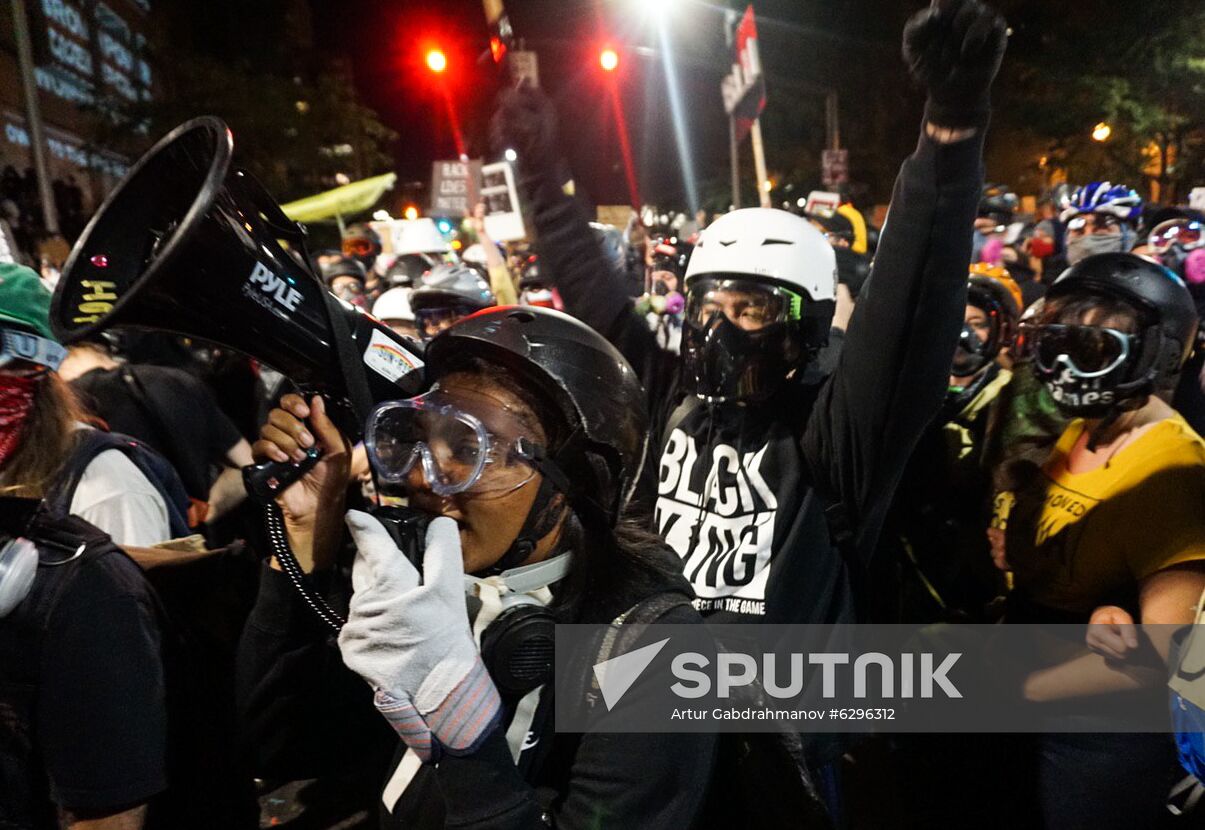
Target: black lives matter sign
(454, 187)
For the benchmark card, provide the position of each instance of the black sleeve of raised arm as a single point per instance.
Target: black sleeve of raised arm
(590, 289)
(894, 366)
(302, 712)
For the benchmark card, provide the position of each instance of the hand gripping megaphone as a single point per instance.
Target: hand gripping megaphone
(189, 245)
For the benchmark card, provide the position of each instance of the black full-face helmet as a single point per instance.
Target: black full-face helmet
(1094, 370)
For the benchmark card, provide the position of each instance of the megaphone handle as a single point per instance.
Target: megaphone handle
(264, 482)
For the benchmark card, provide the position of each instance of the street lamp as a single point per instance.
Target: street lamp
(437, 61)
(1101, 132)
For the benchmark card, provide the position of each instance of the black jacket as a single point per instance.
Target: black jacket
(307, 715)
(755, 538)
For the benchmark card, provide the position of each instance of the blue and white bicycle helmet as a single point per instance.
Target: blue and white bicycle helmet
(1105, 197)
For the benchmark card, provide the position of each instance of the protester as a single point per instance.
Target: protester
(407, 269)
(47, 452)
(1101, 217)
(944, 500)
(445, 294)
(561, 417)
(345, 278)
(173, 412)
(994, 215)
(83, 716)
(763, 480)
(501, 281)
(1177, 239)
(393, 308)
(1115, 519)
(535, 289)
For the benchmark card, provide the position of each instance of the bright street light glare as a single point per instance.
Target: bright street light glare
(437, 61)
(510, 154)
(608, 60)
(1101, 132)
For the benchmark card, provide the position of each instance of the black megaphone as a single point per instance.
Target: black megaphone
(187, 244)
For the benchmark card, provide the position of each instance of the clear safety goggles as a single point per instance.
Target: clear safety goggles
(1187, 232)
(485, 450)
(1088, 351)
(18, 345)
(749, 304)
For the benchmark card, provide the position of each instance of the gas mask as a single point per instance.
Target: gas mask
(973, 353)
(742, 338)
(18, 566)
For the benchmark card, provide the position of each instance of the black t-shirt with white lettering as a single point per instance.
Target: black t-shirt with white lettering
(776, 506)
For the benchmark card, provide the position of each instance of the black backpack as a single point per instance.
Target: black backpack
(24, 794)
(158, 471)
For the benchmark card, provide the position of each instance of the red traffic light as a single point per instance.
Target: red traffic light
(436, 61)
(608, 59)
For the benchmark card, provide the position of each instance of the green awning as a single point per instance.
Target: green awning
(342, 201)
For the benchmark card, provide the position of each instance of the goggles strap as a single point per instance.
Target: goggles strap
(540, 519)
(30, 347)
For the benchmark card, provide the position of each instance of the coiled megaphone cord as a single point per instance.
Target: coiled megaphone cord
(278, 540)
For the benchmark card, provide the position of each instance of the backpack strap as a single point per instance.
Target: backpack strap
(626, 629)
(198, 506)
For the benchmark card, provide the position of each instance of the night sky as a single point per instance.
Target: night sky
(806, 45)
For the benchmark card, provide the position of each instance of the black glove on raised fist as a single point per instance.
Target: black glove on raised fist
(525, 121)
(953, 49)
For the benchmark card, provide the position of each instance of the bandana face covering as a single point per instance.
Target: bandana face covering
(16, 402)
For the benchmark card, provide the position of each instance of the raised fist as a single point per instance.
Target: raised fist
(953, 49)
(525, 121)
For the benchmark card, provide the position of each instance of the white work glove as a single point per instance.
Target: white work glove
(412, 642)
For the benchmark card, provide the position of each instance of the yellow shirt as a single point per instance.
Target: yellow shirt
(1076, 541)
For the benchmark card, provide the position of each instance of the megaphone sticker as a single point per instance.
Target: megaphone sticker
(96, 300)
(263, 286)
(387, 359)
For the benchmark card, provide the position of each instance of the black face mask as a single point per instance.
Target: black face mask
(727, 363)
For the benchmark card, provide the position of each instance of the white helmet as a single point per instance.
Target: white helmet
(394, 304)
(764, 243)
(475, 254)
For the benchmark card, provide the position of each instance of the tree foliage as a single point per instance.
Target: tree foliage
(298, 123)
(1138, 68)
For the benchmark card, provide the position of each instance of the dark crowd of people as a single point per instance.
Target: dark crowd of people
(21, 211)
(971, 414)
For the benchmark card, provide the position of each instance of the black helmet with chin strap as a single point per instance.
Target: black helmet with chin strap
(596, 466)
(1167, 319)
